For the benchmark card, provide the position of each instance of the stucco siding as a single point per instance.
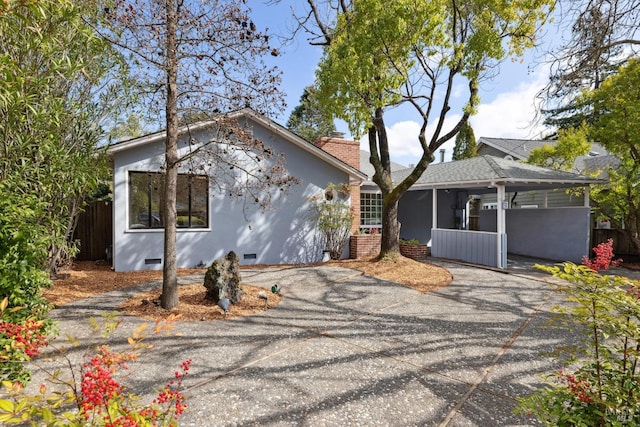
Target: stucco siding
(415, 213)
(284, 234)
(560, 234)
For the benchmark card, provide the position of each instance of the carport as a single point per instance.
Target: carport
(549, 233)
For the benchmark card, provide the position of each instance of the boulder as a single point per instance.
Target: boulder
(222, 279)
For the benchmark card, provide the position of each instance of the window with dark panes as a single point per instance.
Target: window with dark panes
(146, 199)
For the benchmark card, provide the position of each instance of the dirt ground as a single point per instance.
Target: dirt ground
(87, 278)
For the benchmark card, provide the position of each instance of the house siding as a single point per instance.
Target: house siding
(555, 199)
(415, 213)
(284, 234)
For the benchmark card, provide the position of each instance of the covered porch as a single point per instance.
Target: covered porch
(437, 207)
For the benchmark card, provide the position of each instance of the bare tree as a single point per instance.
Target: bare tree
(600, 36)
(201, 57)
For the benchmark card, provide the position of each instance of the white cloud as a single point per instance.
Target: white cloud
(511, 114)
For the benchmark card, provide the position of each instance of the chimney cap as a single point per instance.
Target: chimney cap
(336, 134)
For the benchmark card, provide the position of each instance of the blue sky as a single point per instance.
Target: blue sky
(507, 107)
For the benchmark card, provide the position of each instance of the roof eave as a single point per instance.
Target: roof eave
(354, 174)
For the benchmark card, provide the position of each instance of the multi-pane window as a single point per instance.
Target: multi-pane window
(370, 212)
(146, 197)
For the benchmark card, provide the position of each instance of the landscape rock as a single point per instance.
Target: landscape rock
(222, 279)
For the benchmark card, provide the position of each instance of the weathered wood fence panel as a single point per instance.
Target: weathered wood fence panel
(621, 244)
(94, 231)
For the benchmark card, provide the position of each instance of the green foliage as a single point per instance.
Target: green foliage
(414, 242)
(572, 143)
(56, 92)
(466, 146)
(97, 396)
(334, 218)
(615, 104)
(309, 119)
(599, 384)
(617, 127)
(384, 53)
(52, 98)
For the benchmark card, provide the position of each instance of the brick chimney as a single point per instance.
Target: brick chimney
(349, 152)
(343, 149)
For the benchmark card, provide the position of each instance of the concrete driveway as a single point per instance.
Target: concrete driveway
(344, 349)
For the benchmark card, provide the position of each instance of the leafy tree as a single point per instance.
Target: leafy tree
(309, 119)
(379, 55)
(53, 95)
(617, 127)
(572, 143)
(194, 57)
(465, 147)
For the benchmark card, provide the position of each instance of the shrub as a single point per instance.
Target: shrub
(604, 257)
(334, 217)
(599, 384)
(99, 398)
(413, 242)
(19, 343)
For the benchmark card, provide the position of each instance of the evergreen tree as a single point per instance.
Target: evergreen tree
(466, 146)
(308, 120)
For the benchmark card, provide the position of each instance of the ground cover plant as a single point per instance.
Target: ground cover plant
(599, 385)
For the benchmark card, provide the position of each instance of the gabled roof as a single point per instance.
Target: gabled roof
(520, 149)
(486, 171)
(517, 148)
(254, 116)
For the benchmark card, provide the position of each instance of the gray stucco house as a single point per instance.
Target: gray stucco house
(214, 224)
(439, 209)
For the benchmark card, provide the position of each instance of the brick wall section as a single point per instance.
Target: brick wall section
(349, 152)
(343, 149)
(364, 245)
(417, 252)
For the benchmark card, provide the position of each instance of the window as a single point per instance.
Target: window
(146, 198)
(370, 212)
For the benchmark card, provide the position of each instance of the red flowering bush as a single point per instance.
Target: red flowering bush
(100, 398)
(600, 384)
(604, 257)
(20, 341)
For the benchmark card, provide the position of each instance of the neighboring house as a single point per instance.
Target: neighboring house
(211, 224)
(437, 209)
(520, 149)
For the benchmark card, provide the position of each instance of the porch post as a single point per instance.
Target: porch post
(501, 226)
(587, 196)
(434, 209)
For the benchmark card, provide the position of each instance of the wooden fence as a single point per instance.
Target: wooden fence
(94, 231)
(621, 245)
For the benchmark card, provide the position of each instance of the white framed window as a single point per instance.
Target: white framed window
(370, 213)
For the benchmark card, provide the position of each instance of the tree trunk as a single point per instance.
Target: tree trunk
(169, 297)
(389, 243)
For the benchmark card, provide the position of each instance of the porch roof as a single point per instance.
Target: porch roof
(485, 172)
